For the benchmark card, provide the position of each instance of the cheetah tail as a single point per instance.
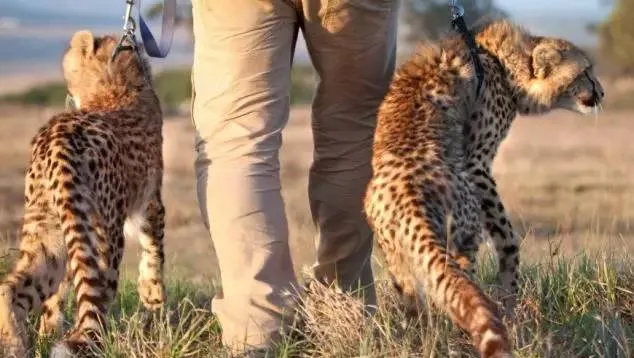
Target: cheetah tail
(437, 274)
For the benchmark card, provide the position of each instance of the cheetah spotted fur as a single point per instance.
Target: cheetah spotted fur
(94, 179)
(432, 198)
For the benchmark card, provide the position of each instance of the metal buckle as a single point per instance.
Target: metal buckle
(121, 47)
(459, 25)
(456, 9)
(129, 27)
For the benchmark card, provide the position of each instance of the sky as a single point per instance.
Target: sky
(515, 7)
(92, 7)
(541, 6)
(562, 18)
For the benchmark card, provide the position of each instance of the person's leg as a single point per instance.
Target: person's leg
(352, 44)
(241, 84)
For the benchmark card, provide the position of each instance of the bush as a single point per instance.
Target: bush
(302, 84)
(172, 86)
(616, 36)
(50, 94)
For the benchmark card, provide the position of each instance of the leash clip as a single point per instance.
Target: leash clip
(456, 10)
(129, 27)
(459, 25)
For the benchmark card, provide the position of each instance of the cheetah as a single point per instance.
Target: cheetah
(432, 198)
(94, 179)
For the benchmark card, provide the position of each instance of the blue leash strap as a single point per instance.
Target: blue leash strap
(162, 48)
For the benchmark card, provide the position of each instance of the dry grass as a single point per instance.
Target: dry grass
(566, 180)
(566, 309)
(578, 308)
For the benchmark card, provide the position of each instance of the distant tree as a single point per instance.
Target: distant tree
(616, 36)
(430, 19)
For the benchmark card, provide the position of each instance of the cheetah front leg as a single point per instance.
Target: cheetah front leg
(151, 286)
(505, 240)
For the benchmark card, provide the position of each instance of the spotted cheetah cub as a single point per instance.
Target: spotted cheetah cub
(94, 177)
(431, 197)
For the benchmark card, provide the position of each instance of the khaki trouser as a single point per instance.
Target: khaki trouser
(241, 77)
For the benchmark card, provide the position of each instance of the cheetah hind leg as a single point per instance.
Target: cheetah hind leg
(35, 277)
(403, 282)
(415, 307)
(52, 317)
(12, 334)
(405, 287)
(439, 277)
(87, 244)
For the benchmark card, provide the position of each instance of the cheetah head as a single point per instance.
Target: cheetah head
(583, 95)
(90, 75)
(562, 78)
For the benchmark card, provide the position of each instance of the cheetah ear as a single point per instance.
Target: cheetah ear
(84, 41)
(544, 58)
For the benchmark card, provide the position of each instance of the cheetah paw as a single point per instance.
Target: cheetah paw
(152, 293)
(506, 300)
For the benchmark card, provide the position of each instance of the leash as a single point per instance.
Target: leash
(459, 25)
(161, 49)
(152, 47)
